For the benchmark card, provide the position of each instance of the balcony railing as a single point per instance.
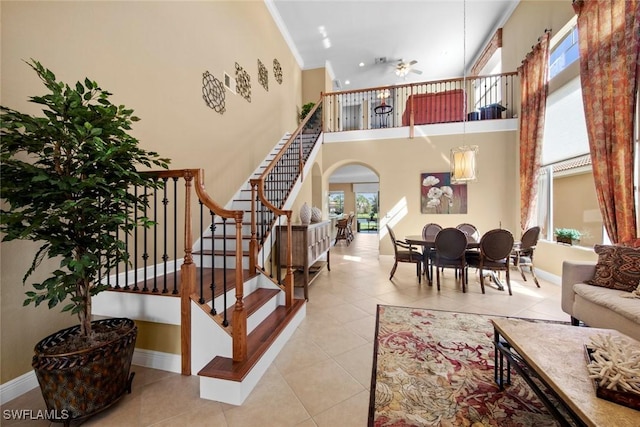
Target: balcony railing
(445, 101)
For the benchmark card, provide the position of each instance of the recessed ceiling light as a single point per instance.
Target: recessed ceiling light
(326, 42)
(361, 64)
(347, 82)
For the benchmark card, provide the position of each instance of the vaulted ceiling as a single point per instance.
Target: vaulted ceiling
(443, 36)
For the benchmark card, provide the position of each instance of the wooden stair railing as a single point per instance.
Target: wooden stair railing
(187, 290)
(270, 190)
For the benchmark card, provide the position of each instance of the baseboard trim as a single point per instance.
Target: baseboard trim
(141, 357)
(17, 387)
(157, 360)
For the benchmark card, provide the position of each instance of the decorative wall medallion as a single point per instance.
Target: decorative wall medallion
(243, 83)
(213, 92)
(277, 71)
(263, 75)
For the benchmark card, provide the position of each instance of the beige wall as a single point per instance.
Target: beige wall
(349, 195)
(151, 56)
(313, 84)
(575, 205)
(399, 163)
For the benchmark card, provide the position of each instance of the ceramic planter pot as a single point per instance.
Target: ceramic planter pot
(79, 384)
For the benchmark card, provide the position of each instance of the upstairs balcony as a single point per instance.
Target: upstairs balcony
(453, 106)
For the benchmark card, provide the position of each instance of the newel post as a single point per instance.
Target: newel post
(288, 279)
(187, 280)
(239, 321)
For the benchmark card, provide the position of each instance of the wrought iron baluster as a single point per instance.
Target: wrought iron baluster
(225, 321)
(155, 239)
(126, 245)
(201, 281)
(213, 266)
(135, 238)
(145, 230)
(165, 255)
(175, 235)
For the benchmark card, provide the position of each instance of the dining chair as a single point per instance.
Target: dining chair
(522, 253)
(350, 220)
(404, 252)
(494, 254)
(429, 233)
(471, 231)
(450, 248)
(342, 232)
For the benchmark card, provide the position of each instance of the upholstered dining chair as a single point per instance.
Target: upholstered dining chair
(429, 233)
(494, 254)
(404, 252)
(522, 253)
(471, 231)
(450, 248)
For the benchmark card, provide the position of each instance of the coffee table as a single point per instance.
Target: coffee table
(551, 358)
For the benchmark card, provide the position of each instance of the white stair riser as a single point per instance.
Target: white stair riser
(219, 244)
(219, 262)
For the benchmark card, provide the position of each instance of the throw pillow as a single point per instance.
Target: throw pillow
(618, 267)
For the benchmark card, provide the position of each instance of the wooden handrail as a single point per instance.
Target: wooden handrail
(258, 193)
(195, 178)
(406, 85)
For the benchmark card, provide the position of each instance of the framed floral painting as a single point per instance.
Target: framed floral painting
(439, 196)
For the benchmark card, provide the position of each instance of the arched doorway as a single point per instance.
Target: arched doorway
(356, 188)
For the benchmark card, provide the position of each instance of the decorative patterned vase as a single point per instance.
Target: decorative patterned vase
(305, 213)
(316, 214)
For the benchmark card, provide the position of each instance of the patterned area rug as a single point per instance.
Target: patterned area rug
(435, 368)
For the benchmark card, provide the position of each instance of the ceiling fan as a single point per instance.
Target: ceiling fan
(404, 68)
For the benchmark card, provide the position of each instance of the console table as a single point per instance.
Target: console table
(309, 244)
(553, 354)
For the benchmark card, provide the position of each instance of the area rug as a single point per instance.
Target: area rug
(435, 368)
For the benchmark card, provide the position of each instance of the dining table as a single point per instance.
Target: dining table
(429, 245)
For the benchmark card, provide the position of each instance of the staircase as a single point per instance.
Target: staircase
(234, 308)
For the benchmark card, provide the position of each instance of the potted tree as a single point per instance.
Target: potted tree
(567, 235)
(65, 182)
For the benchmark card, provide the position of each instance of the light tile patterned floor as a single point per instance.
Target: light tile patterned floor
(322, 377)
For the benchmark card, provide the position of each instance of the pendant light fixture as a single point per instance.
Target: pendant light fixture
(464, 165)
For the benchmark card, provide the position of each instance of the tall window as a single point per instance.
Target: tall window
(566, 196)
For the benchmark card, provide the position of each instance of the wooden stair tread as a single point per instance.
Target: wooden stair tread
(253, 301)
(207, 275)
(258, 342)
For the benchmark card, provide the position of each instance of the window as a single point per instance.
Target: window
(336, 202)
(367, 204)
(564, 49)
(566, 189)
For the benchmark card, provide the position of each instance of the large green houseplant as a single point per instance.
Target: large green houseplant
(65, 183)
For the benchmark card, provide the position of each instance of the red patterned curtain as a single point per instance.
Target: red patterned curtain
(533, 95)
(608, 33)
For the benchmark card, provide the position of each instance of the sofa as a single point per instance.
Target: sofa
(606, 293)
(436, 107)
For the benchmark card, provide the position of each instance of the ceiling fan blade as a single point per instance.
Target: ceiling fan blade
(413, 62)
(416, 71)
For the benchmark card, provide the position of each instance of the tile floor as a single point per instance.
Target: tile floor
(322, 377)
